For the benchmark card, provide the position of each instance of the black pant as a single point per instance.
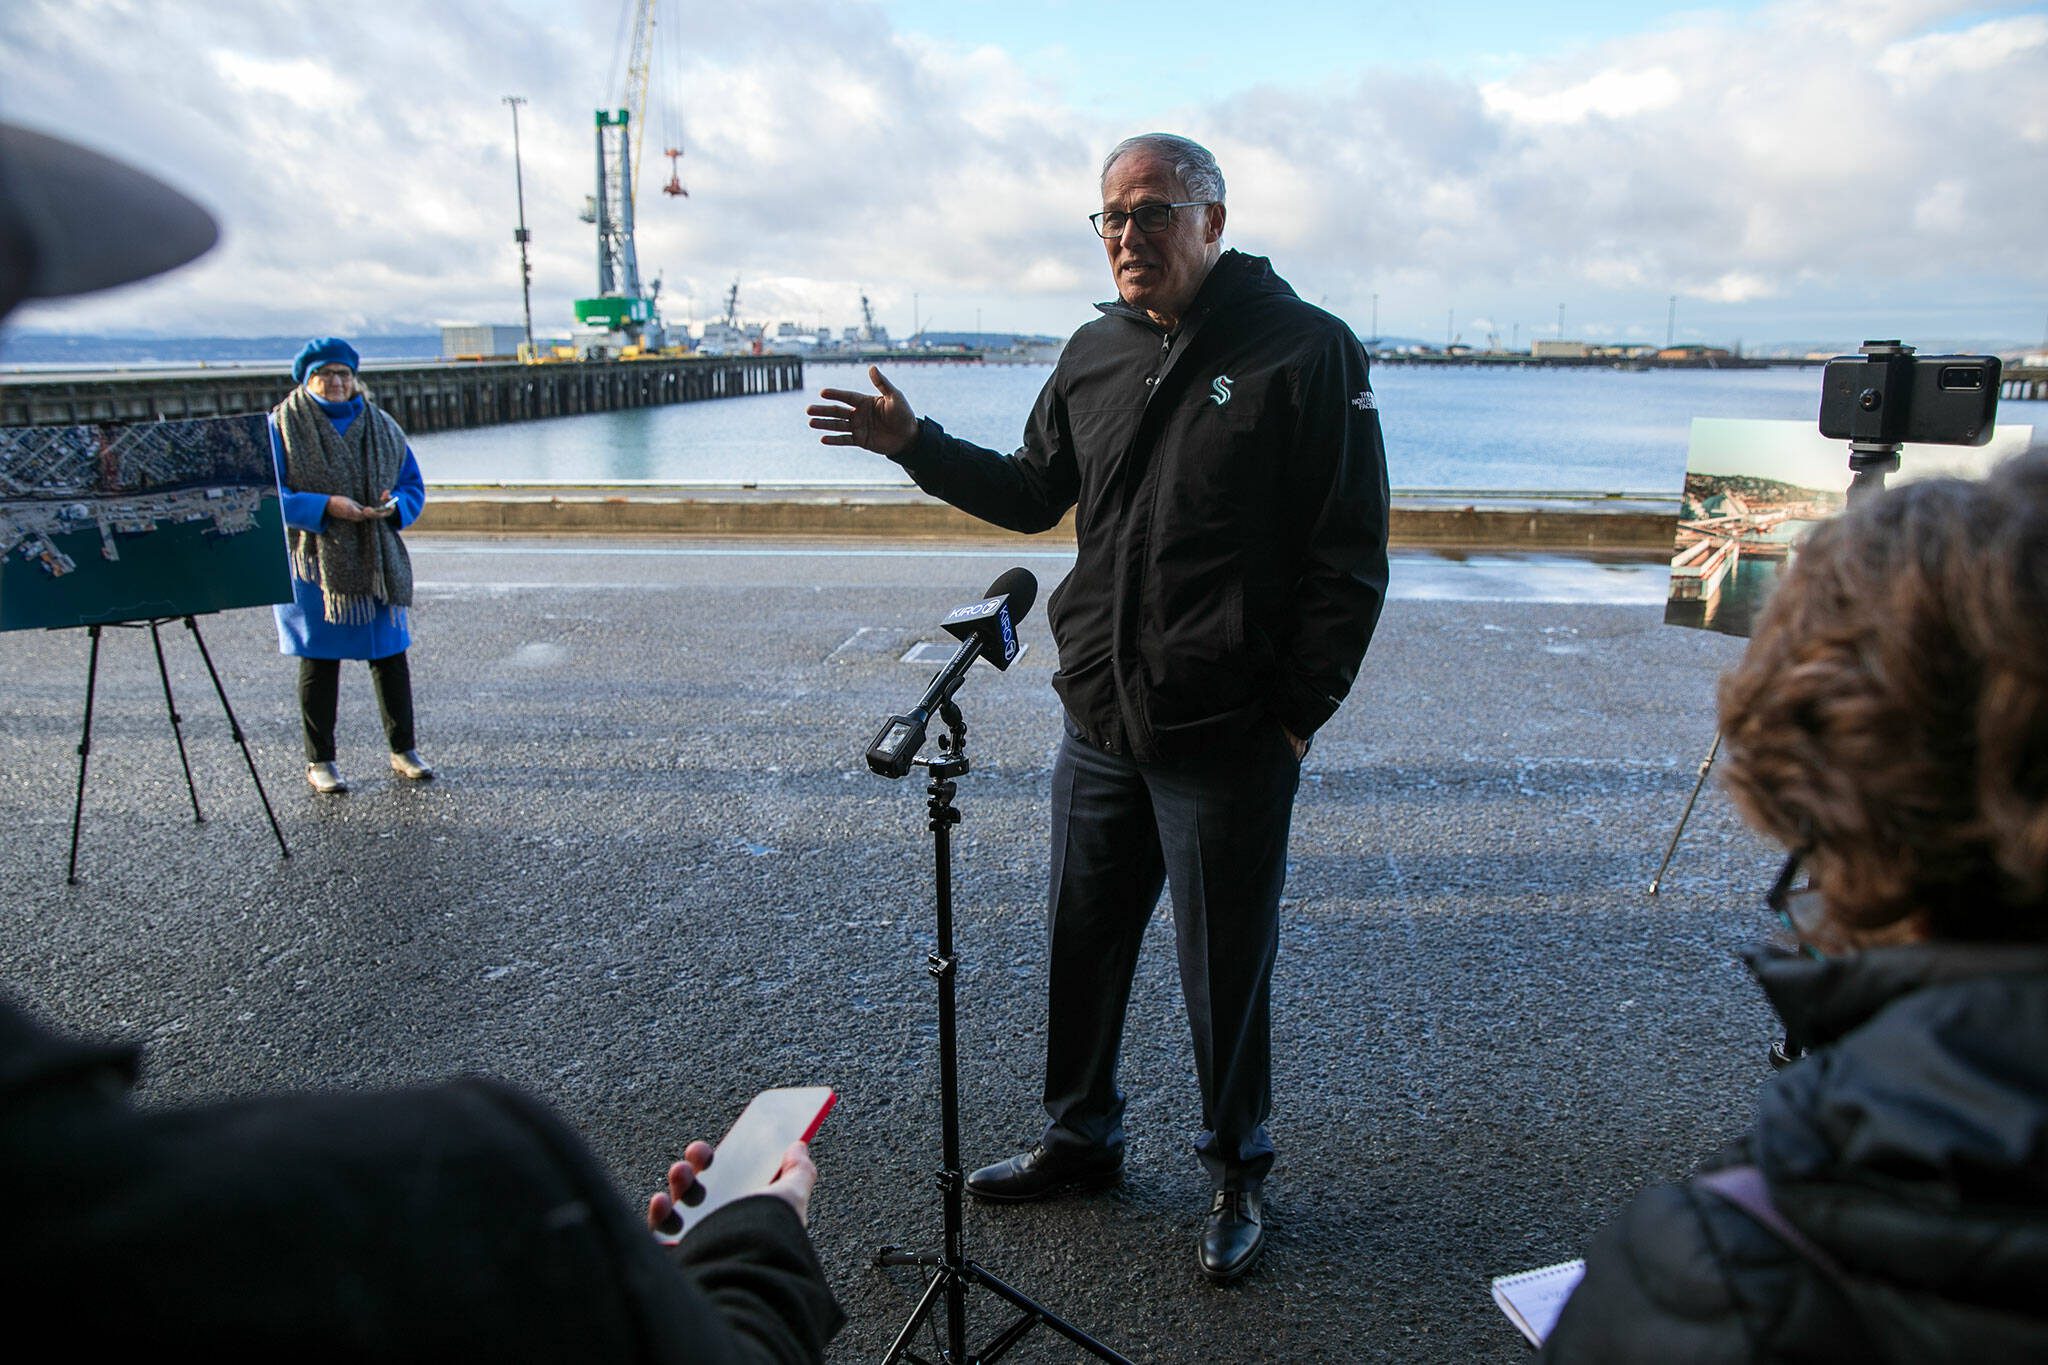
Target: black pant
(320, 691)
(1214, 828)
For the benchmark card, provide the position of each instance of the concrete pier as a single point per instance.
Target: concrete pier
(1636, 527)
(429, 397)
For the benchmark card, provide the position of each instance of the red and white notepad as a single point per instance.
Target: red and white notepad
(1533, 1299)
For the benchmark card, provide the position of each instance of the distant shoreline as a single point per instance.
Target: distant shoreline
(35, 352)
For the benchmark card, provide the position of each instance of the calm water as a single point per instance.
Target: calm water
(1741, 599)
(1563, 430)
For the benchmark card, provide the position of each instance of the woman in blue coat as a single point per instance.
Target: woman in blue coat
(350, 485)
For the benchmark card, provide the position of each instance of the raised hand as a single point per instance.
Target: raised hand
(880, 421)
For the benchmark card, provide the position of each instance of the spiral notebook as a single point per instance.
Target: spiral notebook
(1533, 1299)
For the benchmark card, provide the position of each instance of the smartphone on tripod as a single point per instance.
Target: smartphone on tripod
(748, 1156)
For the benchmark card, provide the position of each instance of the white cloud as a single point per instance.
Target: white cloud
(1937, 57)
(300, 81)
(1800, 150)
(1737, 286)
(1607, 94)
(1766, 157)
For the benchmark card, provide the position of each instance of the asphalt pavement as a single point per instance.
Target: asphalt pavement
(655, 877)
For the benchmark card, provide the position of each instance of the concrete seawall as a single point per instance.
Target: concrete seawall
(1636, 526)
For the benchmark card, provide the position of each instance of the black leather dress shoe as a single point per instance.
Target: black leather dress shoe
(1233, 1233)
(1039, 1174)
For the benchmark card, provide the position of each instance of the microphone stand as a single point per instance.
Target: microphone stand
(954, 1272)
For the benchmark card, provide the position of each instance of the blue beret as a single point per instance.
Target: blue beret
(324, 351)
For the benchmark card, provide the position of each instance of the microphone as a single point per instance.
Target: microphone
(986, 630)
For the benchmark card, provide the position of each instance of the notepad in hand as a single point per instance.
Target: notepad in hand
(1533, 1299)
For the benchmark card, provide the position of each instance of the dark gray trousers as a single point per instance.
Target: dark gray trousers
(1214, 829)
(320, 698)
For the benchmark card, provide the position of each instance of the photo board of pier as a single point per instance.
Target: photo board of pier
(126, 523)
(1754, 489)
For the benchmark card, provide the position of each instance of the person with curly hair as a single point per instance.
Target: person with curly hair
(1888, 725)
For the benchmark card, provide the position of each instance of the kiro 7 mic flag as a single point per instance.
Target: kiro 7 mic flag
(986, 629)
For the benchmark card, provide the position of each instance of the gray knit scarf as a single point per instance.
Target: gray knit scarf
(355, 564)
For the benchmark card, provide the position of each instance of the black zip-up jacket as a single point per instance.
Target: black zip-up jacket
(1910, 1147)
(460, 1222)
(1230, 493)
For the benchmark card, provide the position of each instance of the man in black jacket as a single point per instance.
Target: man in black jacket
(1218, 441)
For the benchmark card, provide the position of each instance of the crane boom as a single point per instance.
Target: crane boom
(636, 81)
(623, 315)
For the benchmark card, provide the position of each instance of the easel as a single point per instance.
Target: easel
(1706, 766)
(154, 625)
(1869, 463)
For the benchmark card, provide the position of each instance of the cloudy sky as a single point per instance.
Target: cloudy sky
(1790, 169)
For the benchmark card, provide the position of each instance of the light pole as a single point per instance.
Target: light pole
(1671, 323)
(520, 234)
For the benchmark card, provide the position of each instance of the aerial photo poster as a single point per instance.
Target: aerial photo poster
(1753, 489)
(126, 523)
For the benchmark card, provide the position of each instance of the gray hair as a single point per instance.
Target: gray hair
(1192, 163)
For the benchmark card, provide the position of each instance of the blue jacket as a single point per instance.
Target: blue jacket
(301, 629)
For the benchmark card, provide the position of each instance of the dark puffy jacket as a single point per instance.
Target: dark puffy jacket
(1230, 494)
(462, 1222)
(1911, 1147)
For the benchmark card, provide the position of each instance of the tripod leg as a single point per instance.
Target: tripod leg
(235, 729)
(1706, 766)
(924, 1308)
(998, 1346)
(1037, 1313)
(92, 674)
(177, 727)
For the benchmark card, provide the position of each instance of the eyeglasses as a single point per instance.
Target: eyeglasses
(1149, 217)
(334, 372)
(1799, 908)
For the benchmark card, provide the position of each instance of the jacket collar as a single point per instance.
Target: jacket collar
(348, 407)
(1821, 1000)
(1234, 278)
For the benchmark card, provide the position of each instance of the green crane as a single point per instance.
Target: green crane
(623, 314)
